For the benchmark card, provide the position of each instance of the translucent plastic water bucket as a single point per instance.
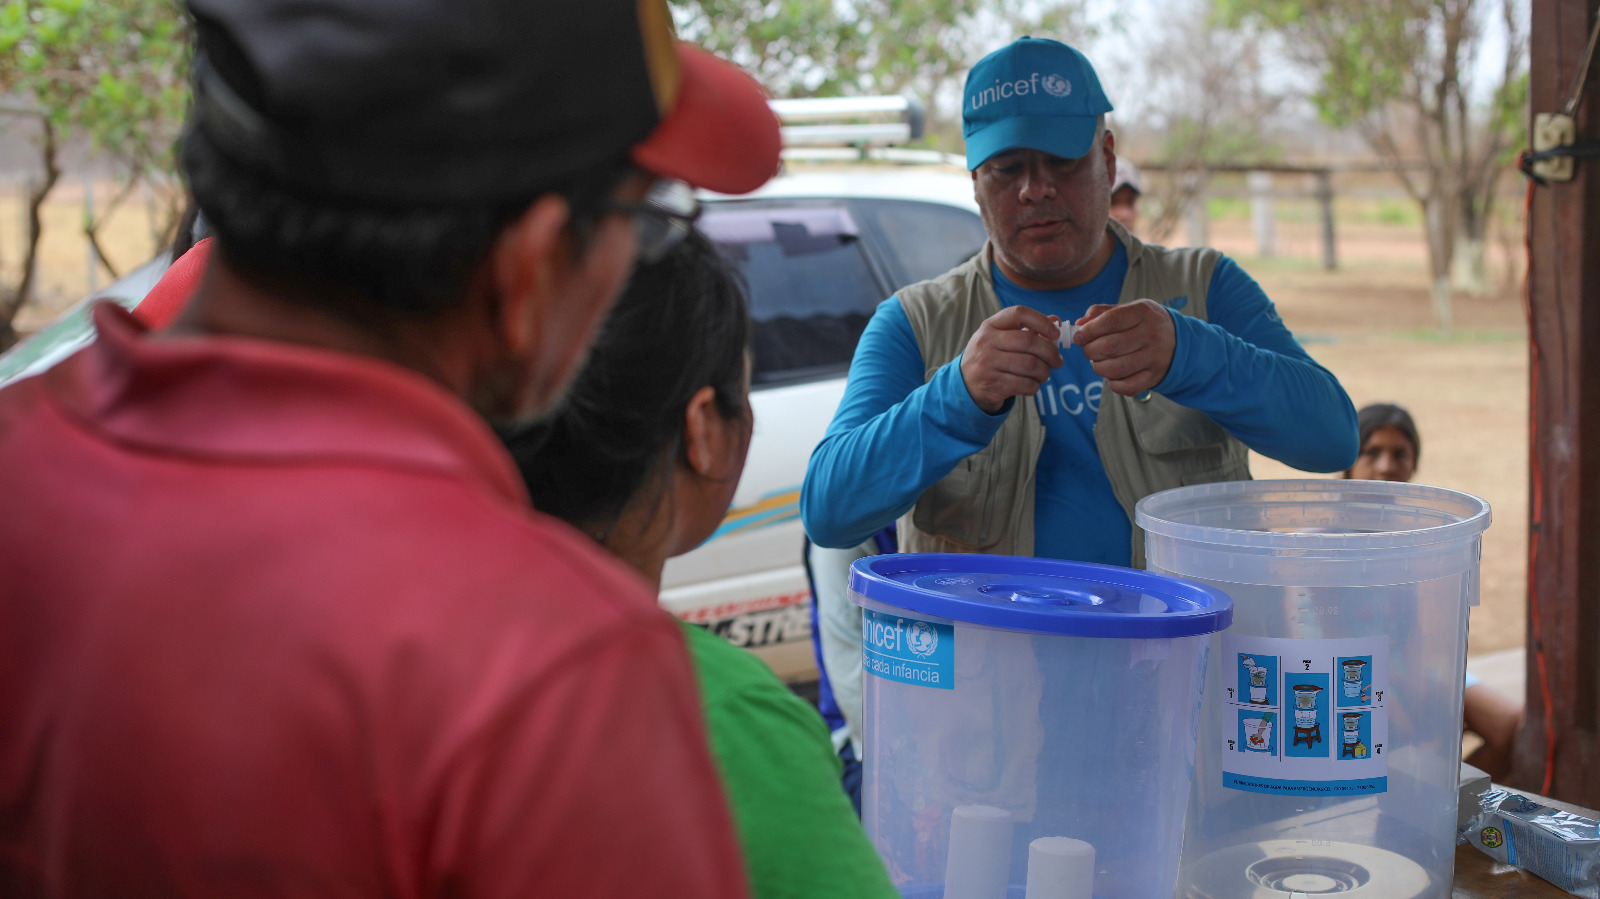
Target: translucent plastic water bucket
(1341, 775)
(1029, 723)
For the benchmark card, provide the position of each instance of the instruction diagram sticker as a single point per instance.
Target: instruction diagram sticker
(1355, 682)
(1308, 716)
(1305, 717)
(1258, 680)
(908, 650)
(1258, 731)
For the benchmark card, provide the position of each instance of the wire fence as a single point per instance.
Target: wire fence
(1309, 213)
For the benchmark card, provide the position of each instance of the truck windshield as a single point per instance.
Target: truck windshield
(812, 286)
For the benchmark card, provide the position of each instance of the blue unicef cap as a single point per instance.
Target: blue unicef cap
(1046, 596)
(1034, 93)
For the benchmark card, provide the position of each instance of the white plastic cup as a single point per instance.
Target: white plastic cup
(1060, 868)
(980, 853)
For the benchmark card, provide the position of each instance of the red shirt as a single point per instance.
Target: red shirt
(276, 621)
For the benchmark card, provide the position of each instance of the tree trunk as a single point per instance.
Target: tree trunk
(12, 304)
(93, 234)
(1440, 250)
(1443, 308)
(1469, 268)
(93, 224)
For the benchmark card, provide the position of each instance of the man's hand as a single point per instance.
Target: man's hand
(1130, 345)
(1011, 354)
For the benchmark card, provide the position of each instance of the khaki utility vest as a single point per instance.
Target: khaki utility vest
(1147, 444)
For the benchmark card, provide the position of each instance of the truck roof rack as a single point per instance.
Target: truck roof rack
(859, 122)
(898, 155)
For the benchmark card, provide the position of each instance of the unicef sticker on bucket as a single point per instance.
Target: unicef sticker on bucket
(908, 650)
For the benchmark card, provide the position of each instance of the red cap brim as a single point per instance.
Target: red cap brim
(720, 135)
(165, 300)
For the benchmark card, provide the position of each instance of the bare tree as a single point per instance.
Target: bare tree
(1202, 88)
(855, 47)
(113, 71)
(1495, 147)
(1401, 72)
(13, 297)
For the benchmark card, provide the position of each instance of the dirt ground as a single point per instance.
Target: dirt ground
(1369, 322)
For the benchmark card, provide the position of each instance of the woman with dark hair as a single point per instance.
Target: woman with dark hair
(1389, 444)
(644, 457)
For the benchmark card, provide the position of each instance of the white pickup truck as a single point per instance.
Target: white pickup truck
(820, 246)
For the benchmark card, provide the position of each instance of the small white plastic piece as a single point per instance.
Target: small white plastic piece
(1068, 329)
(979, 863)
(1060, 868)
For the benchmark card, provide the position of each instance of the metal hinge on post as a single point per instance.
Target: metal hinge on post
(1554, 149)
(1553, 131)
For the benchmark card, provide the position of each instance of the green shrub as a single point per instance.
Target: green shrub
(1398, 212)
(1227, 208)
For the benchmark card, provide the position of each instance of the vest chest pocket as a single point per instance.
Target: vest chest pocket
(1164, 428)
(968, 505)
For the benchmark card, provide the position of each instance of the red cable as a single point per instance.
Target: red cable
(1536, 520)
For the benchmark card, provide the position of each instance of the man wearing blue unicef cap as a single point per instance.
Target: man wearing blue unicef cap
(1037, 94)
(1148, 368)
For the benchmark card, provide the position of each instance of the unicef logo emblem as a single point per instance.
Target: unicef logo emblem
(1056, 86)
(921, 639)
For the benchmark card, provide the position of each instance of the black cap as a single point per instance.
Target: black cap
(449, 101)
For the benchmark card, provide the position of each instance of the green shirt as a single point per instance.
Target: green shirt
(800, 835)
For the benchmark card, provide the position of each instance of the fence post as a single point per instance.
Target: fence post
(1262, 213)
(1330, 242)
(1195, 222)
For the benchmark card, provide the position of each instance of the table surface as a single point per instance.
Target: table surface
(1480, 877)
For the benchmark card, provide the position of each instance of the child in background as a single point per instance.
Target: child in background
(1389, 444)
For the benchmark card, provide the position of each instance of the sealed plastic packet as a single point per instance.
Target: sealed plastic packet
(1559, 846)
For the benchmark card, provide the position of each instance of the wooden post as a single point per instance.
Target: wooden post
(1330, 243)
(1196, 222)
(1564, 405)
(1263, 215)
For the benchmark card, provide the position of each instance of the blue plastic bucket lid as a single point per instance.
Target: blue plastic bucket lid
(1046, 596)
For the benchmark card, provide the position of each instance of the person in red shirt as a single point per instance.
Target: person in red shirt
(276, 618)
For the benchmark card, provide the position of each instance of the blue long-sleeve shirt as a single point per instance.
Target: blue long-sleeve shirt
(894, 435)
